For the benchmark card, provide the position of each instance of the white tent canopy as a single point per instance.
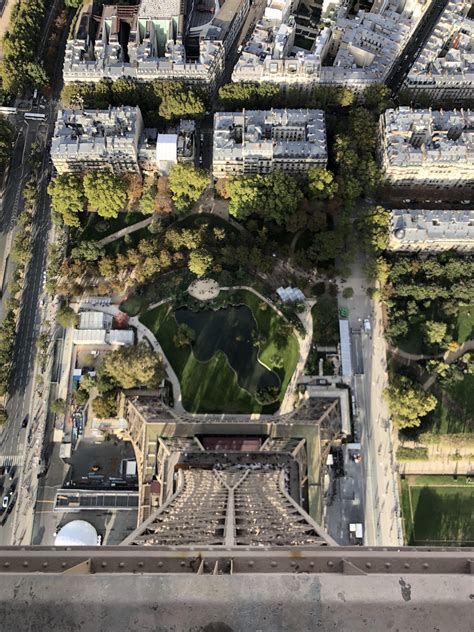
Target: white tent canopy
(76, 533)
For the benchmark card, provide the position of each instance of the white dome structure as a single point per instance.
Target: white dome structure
(76, 533)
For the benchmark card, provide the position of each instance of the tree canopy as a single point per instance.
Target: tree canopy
(200, 262)
(435, 332)
(19, 68)
(274, 196)
(105, 192)
(67, 198)
(186, 185)
(408, 402)
(130, 367)
(67, 317)
(321, 184)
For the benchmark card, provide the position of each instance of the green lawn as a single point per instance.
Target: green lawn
(212, 386)
(438, 510)
(460, 419)
(465, 323)
(93, 221)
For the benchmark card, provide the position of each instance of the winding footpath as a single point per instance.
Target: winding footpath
(143, 333)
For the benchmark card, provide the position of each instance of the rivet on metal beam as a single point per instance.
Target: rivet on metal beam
(183, 563)
(25, 564)
(293, 564)
(330, 563)
(45, 564)
(121, 564)
(251, 563)
(426, 565)
(388, 565)
(406, 565)
(104, 564)
(63, 564)
(274, 564)
(160, 564)
(6, 564)
(368, 565)
(311, 564)
(140, 564)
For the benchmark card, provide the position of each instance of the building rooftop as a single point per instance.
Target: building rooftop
(417, 137)
(449, 51)
(273, 133)
(160, 8)
(84, 132)
(413, 226)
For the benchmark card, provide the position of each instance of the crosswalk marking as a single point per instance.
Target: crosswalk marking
(14, 459)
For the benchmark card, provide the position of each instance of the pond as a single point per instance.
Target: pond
(233, 331)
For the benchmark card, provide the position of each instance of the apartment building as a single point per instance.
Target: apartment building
(97, 139)
(354, 51)
(444, 70)
(427, 147)
(431, 230)
(152, 41)
(261, 141)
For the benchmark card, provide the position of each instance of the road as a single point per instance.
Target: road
(14, 440)
(413, 48)
(372, 425)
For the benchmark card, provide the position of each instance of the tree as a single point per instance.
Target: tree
(377, 97)
(58, 407)
(130, 367)
(200, 262)
(180, 101)
(238, 95)
(6, 138)
(67, 317)
(146, 204)
(105, 406)
(434, 332)
(185, 335)
(373, 228)
(186, 184)
(105, 192)
(348, 292)
(67, 198)
(81, 397)
(321, 183)
(88, 251)
(275, 196)
(134, 187)
(408, 402)
(3, 416)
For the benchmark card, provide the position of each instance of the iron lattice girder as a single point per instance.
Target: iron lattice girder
(238, 560)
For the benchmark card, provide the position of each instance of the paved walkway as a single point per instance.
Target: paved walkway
(443, 466)
(126, 231)
(144, 333)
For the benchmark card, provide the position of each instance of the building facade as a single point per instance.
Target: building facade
(427, 147)
(97, 139)
(431, 231)
(153, 41)
(262, 141)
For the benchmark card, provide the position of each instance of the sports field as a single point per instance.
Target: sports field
(438, 510)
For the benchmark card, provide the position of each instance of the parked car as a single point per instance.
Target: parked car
(24, 423)
(7, 499)
(12, 472)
